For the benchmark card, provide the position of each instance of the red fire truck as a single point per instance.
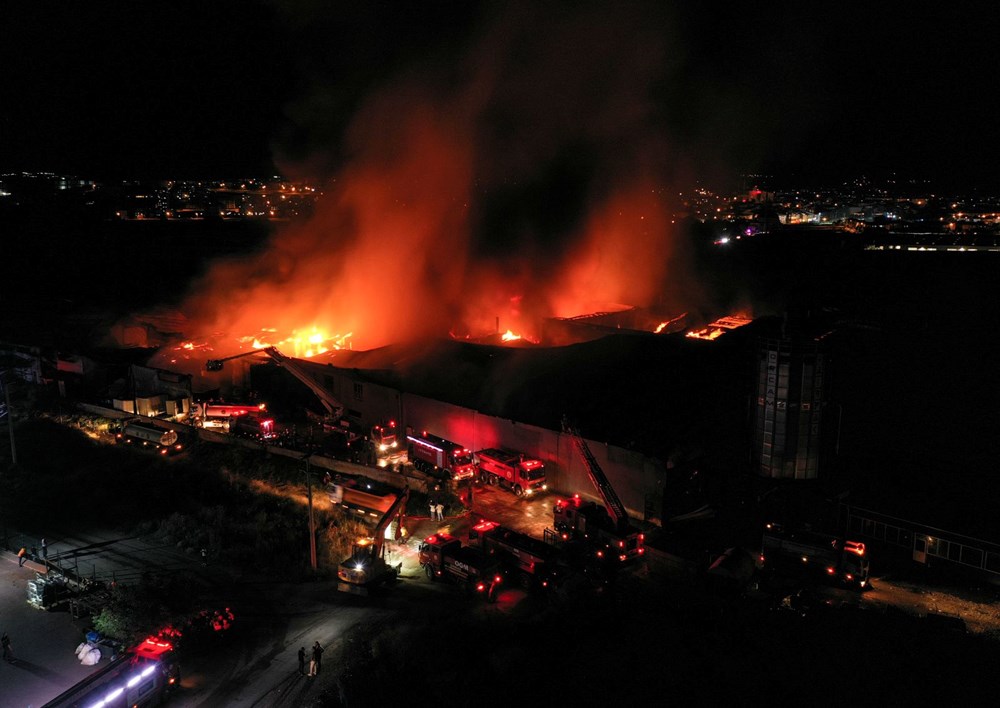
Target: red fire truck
(253, 425)
(511, 470)
(534, 563)
(439, 457)
(444, 557)
(824, 555)
(575, 518)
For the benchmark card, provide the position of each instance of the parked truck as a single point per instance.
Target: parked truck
(439, 457)
(575, 518)
(443, 557)
(535, 565)
(150, 437)
(819, 554)
(217, 415)
(255, 426)
(511, 470)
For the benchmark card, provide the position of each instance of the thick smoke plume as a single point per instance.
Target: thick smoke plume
(526, 176)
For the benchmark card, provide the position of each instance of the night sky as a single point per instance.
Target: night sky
(804, 91)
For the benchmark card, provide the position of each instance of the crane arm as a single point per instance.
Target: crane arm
(334, 408)
(394, 510)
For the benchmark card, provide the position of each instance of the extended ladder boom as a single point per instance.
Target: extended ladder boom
(335, 410)
(597, 476)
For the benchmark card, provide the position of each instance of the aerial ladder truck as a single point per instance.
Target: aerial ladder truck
(608, 529)
(334, 408)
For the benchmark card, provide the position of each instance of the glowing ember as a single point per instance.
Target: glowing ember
(509, 336)
(720, 327)
(659, 327)
(301, 344)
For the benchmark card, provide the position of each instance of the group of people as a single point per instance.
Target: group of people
(437, 511)
(314, 662)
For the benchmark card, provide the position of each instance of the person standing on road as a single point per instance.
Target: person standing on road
(317, 657)
(22, 556)
(45, 550)
(8, 655)
(433, 511)
(440, 511)
(302, 660)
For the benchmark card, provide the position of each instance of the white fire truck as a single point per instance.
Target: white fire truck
(144, 676)
(439, 457)
(511, 470)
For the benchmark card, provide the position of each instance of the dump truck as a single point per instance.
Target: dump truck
(443, 557)
(511, 470)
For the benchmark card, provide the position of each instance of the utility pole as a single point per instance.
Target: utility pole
(10, 417)
(312, 518)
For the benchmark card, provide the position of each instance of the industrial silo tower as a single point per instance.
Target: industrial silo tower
(788, 408)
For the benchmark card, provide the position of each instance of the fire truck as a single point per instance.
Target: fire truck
(334, 409)
(439, 457)
(511, 470)
(535, 564)
(385, 441)
(367, 569)
(575, 518)
(444, 557)
(608, 528)
(253, 425)
(219, 415)
(822, 555)
(150, 437)
(143, 676)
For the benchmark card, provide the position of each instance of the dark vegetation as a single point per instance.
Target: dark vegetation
(246, 509)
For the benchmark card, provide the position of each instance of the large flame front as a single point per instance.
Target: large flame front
(442, 217)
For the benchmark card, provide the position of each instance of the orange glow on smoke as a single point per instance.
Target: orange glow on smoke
(306, 344)
(390, 252)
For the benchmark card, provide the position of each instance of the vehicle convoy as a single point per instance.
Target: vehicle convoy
(149, 436)
(255, 426)
(822, 555)
(443, 556)
(439, 457)
(535, 565)
(511, 470)
(366, 569)
(610, 528)
(144, 676)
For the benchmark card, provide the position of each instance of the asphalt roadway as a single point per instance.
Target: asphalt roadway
(260, 668)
